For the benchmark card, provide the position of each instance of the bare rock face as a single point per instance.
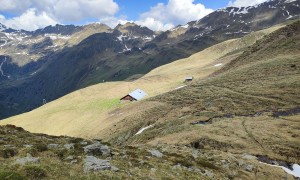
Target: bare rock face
(69, 146)
(28, 160)
(53, 146)
(156, 153)
(92, 163)
(97, 149)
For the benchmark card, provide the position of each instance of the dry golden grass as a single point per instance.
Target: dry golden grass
(253, 135)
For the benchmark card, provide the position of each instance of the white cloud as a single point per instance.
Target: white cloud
(244, 3)
(30, 20)
(114, 21)
(163, 16)
(56, 10)
(77, 10)
(32, 14)
(155, 25)
(14, 6)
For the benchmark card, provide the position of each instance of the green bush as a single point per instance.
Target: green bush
(41, 147)
(35, 172)
(8, 175)
(204, 163)
(76, 140)
(33, 151)
(61, 153)
(8, 152)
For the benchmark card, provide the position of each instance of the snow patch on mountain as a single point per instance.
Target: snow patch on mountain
(57, 36)
(1, 70)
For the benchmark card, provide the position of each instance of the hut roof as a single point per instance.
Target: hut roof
(138, 94)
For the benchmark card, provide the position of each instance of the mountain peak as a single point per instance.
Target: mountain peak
(97, 26)
(133, 29)
(127, 25)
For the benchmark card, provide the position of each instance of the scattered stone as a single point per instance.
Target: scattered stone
(53, 146)
(153, 170)
(178, 166)
(223, 161)
(28, 160)
(74, 161)
(70, 158)
(27, 146)
(248, 167)
(97, 149)
(141, 162)
(83, 143)
(115, 169)
(69, 146)
(248, 156)
(240, 163)
(130, 164)
(156, 153)
(9, 146)
(92, 163)
(195, 153)
(208, 174)
(115, 153)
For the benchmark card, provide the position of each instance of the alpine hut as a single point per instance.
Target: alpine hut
(135, 95)
(189, 79)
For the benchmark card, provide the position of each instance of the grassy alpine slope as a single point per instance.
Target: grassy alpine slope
(250, 105)
(87, 112)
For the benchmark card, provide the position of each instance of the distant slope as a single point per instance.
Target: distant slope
(88, 111)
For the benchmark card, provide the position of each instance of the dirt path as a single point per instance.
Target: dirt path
(251, 135)
(249, 95)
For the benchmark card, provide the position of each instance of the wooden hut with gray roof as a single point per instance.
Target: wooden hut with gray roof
(135, 95)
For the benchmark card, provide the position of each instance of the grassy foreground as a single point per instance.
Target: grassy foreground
(64, 158)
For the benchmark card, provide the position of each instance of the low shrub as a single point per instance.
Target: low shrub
(8, 152)
(9, 175)
(41, 147)
(35, 172)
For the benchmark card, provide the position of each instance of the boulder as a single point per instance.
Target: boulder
(97, 149)
(28, 160)
(248, 156)
(92, 163)
(27, 146)
(53, 146)
(248, 167)
(209, 174)
(83, 143)
(156, 153)
(69, 146)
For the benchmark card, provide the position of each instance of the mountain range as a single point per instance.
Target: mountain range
(237, 116)
(51, 62)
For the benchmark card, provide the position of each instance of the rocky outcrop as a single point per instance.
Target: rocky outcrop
(97, 149)
(28, 160)
(92, 163)
(156, 153)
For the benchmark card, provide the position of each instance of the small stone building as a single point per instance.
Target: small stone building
(189, 79)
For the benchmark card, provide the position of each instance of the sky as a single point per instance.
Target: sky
(158, 15)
